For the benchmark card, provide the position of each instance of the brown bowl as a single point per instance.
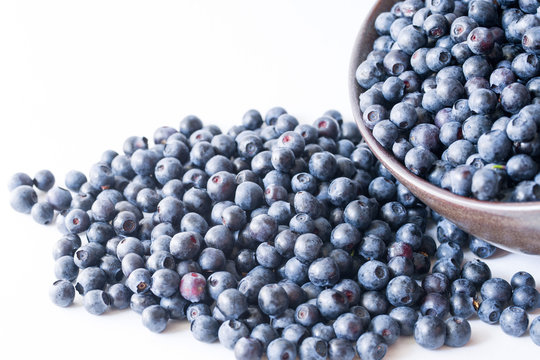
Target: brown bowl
(511, 226)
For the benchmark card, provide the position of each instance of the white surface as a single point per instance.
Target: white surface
(76, 78)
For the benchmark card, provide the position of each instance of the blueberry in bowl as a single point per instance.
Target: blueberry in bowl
(446, 98)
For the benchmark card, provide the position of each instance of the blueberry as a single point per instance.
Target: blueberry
(280, 348)
(393, 89)
(273, 299)
(322, 165)
(307, 314)
(88, 255)
(476, 271)
(462, 305)
(526, 191)
(400, 249)
(295, 270)
(521, 167)
(494, 146)
(132, 143)
(23, 198)
(232, 303)
(420, 15)
(313, 348)
(130, 262)
(393, 213)
(450, 250)
(139, 281)
(97, 302)
(129, 245)
(386, 133)
(193, 222)
(526, 66)
(74, 180)
(486, 184)
(430, 332)
(248, 195)
(531, 40)
(264, 333)
(65, 268)
(526, 297)
(205, 328)
(44, 180)
(514, 97)
(373, 275)
(162, 133)
(435, 304)
(383, 22)
(458, 332)
(42, 213)
(165, 282)
(363, 158)
(155, 318)
(230, 332)
(483, 101)
(103, 209)
(521, 128)
(410, 39)
(476, 66)
(403, 115)
(534, 331)
(449, 90)
(397, 61)
(490, 311)
(479, 247)
(483, 12)
(195, 310)
(119, 295)
(418, 61)
(200, 135)
(168, 169)
(400, 148)
(438, 58)
(195, 200)
(358, 213)
(248, 348)
(522, 278)
(496, 289)
(252, 119)
(62, 293)
(19, 179)
(514, 321)
(405, 317)
(419, 160)
(190, 124)
(101, 175)
(385, 326)
(253, 317)
(368, 73)
(112, 268)
(435, 26)
(324, 272)
(261, 163)
(332, 303)
(285, 122)
(500, 79)
(371, 346)
(341, 349)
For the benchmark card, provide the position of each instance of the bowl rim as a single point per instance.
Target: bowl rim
(396, 168)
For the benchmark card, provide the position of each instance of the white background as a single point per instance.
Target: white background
(76, 78)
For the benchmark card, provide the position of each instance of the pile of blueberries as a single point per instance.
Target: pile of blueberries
(453, 91)
(280, 238)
